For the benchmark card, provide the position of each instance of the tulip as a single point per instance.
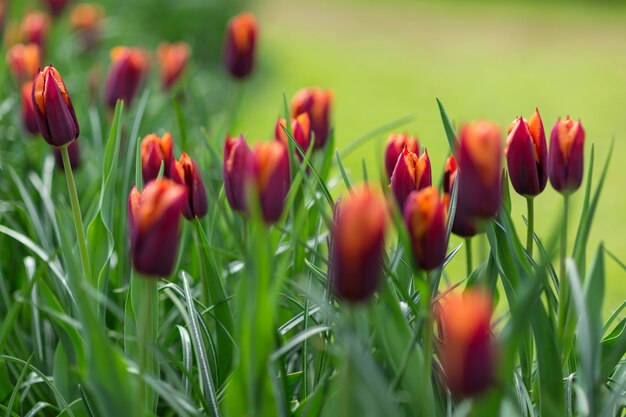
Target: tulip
(74, 153)
(316, 102)
(154, 221)
(395, 145)
(125, 74)
(527, 155)
(240, 46)
(411, 173)
(462, 225)
(24, 61)
(29, 120)
(300, 130)
(479, 159)
(57, 6)
(238, 170)
(185, 171)
(357, 244)
(173, 59)
(156, 151)
(86, 20)
(271, 170)
(54, 111)
(34, 28)
(467, 352)
(565, 165)
(425, 216)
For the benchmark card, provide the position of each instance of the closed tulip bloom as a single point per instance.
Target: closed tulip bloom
(566, 161)
(24, 61)
(467, 352)
(173, 58)
(425, 216)
(240, 47)
(463, 225)
(125, 74)
(57, 6)
(238, 170)
(29, 120)
(185, 171)
(271, 170)
(411, 173)
(74, 154)
(34, 28)
(154, 222)
(317, 103)
(300, 130)
(358, 237)
(480, 164)
(86, 20)
(155, 151)
(527, 155)
(395, 145)
(54, 111)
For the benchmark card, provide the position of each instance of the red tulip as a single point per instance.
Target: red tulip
(300, 130)
(566, 162)
(395, 145)
(462, 225)
(271, 165)
(425, 216)
(155, 151)
(357, 244)
(86, 20)
(185, 171)
(125, 74)
(527, 155)
(74, 153)
(411, 173)
(240, 47)
(153, 223)
(54, 112)
(57, 6)
(34, 28)
(24, 61)
(467, 352)
(238, 169)
(29, 120)
(317, 104)
(173, 59)
(480, 164)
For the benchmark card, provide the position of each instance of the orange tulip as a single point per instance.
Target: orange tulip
(24, 61)
(317, 103)
(240, 48)
(395, 145)
(566, 163)
(128, 67)
(155, 151)
(172, 59)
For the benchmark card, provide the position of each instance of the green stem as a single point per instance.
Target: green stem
(78, 220)
(530, 230)
(146, 333)
(563, 283)
(427, 334)
(468, 255)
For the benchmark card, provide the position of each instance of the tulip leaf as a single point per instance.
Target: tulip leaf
(346, 181)
(447, 126)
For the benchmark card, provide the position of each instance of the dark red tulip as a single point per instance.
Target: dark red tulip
(300, 130)
(566, 161)
(480, 169)
(24, 61)
(86, 20)
(127, 69)
(411, 173)
(54, 112)
(467, 352)
(185, 171)
(29, 120)
(57, 6)
(155, 151)
(425, 216)
(34, 28)
(153, 224)
(527, 155)
(240, 47)
(74, 154)
(462, 225)
(395, 145)
(238, 170)
(173, 58)
(317, 103)
(358, 237)
(271, 170)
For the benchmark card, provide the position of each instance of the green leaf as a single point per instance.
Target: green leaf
(447, 126)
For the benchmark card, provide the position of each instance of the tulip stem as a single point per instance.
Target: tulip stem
(530, 230)
(428, 339)
(147, 326)
(563, 283)
(468, 255)
(78, 220)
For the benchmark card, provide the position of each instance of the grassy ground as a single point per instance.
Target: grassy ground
(487, 61)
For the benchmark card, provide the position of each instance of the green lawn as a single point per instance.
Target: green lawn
(483, 61)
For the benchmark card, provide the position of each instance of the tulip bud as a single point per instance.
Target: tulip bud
(480, 164)
(57, 6)
(411, 173)
(300, 130)
(527, 155)
(86, 20)
(155, 151)
(34, 28)
(29, 120)
(240, 46)
(185, 171)
(316, 103)
(425, 216)
(238, 169)
(74, 153)
(395, 145)
(24, 61)
(54, 111)
(271, 169)
(566, 160)
(467, 353)
(172, 59)
(154, 220)
(462, 225)
(125, 74)
(357, 244)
